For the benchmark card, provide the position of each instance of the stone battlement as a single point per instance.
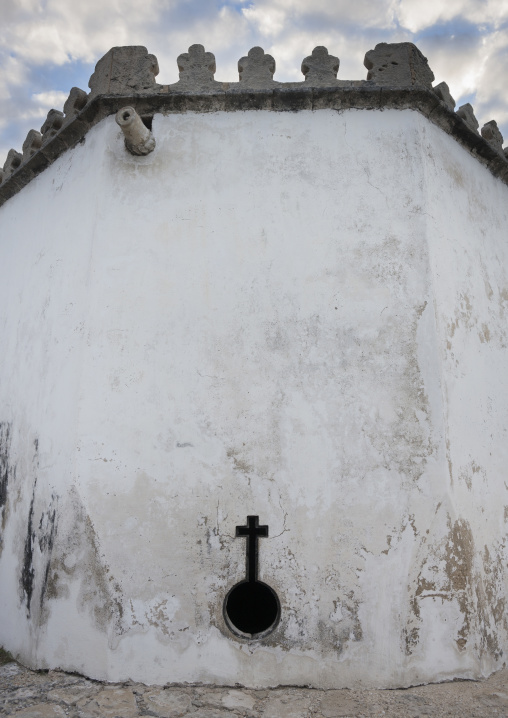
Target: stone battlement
(398, 78)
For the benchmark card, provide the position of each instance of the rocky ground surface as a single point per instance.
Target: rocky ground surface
(34, 694)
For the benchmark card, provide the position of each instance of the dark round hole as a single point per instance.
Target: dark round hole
(126, 115)
(251, 608)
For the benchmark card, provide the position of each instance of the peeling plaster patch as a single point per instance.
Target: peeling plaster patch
(494, 587)
(448, 574)
(159, 613)
(239, 464)
(484, 334)
(389, 542)
(488, 321)
(347, 607)
(493, 584)
(467, 474)
(459, 556)
(463, 318)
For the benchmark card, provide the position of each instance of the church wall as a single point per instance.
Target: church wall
(253, 320)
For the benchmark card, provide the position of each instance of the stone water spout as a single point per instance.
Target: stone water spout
(138, 138)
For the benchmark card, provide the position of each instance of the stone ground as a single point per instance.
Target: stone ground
(34, 694)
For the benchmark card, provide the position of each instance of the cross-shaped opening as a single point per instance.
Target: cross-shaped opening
(252, 608)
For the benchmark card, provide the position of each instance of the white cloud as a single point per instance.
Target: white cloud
(50, 100)
(416, 15)
(268, 21)
(13, 74)
(291, 50)
(491, 91)
(459, 62)
(64, 30)
(272, 16)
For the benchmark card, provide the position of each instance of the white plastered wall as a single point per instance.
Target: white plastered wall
(256, 319)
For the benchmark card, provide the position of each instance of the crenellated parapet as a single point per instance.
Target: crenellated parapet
(398, 77)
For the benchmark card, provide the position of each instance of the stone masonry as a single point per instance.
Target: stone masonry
(54, 694)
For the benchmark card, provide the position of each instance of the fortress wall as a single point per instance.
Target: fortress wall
(253, 319)
(467, 230)
(45, 264)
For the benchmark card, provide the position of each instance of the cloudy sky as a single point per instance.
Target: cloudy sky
(49, 46)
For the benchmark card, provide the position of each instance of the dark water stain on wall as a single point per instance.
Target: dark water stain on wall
(7, 473)
(41, 527)
(27, 570)
(5, 445)
(46, 539)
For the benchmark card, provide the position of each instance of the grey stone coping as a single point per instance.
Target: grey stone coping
(231, 97)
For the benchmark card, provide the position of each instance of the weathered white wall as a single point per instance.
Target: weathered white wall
(294, 315)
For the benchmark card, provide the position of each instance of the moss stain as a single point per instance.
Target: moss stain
(80, 558)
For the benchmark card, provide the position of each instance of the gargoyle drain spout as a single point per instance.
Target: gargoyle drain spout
(138, 138)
